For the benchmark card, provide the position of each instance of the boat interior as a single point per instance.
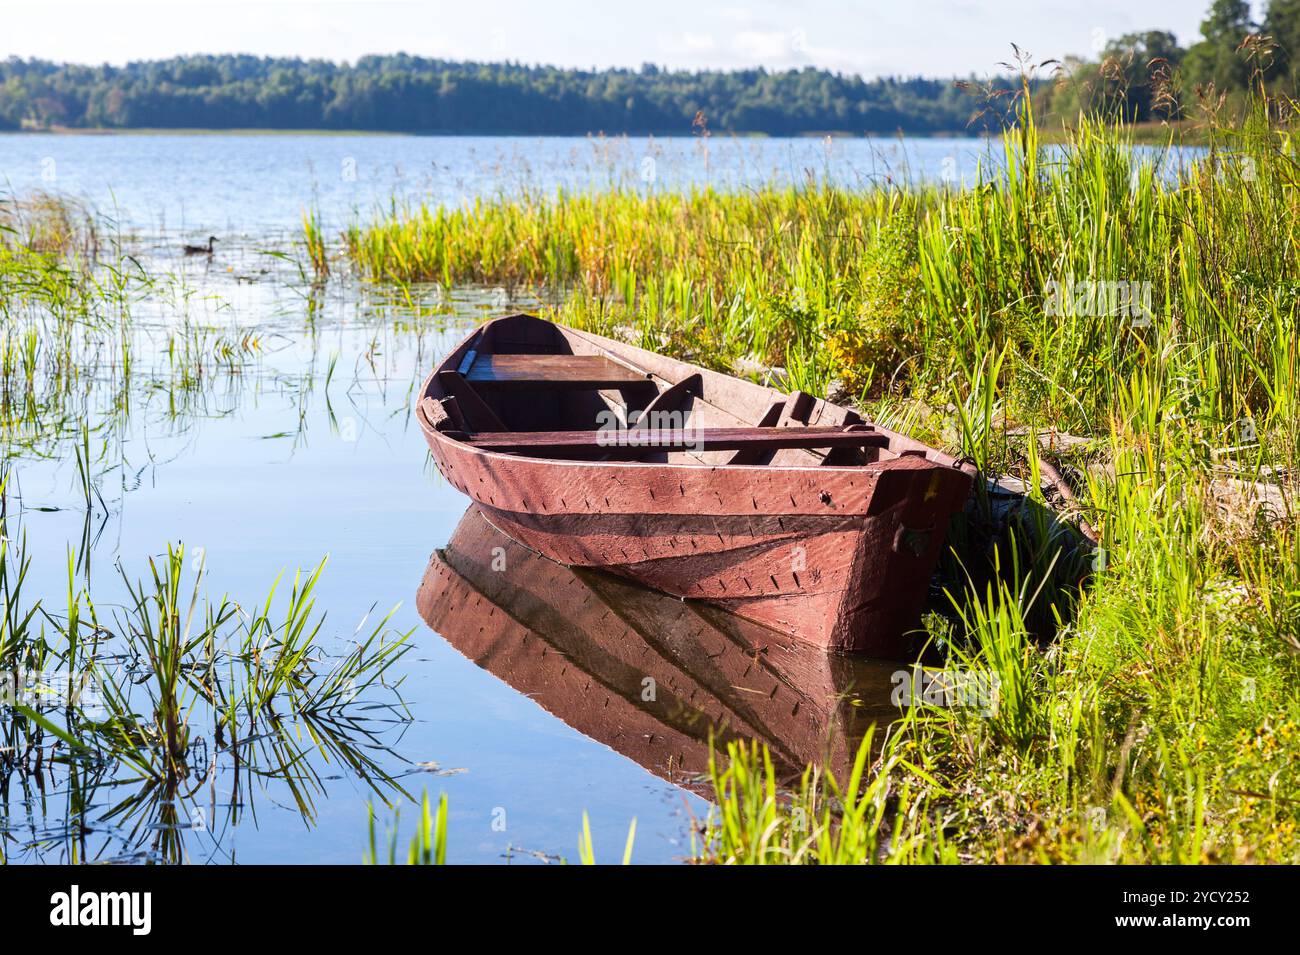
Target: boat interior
(522, 385)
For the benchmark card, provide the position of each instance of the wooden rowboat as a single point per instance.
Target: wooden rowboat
(781, 508)
(650, 676)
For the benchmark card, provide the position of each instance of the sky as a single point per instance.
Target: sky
(869, 37)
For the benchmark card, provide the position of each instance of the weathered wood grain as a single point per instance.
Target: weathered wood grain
(636, 440)
(550, 372)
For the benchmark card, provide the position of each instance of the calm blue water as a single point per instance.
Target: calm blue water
(252, 185)
(249, 184)
(272, 462)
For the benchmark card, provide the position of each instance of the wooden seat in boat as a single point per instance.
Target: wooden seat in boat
(637, 442)
(550, 372)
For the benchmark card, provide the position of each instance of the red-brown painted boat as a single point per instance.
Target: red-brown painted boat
(781, 508)
(648, 675)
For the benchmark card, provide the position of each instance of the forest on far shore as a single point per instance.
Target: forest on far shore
(1142, 77)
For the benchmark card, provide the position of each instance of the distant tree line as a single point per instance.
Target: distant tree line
(1140, 76)
(412, 94)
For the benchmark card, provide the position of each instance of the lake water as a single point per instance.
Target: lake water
(252, 185)
(523, 697)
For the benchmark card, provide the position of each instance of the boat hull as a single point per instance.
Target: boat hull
(839, 557)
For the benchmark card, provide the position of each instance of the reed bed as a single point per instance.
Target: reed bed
(134, 710)
(152, 704)
(1081, 290)
(894, 290)
(74, 356)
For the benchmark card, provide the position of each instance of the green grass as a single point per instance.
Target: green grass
(428, 846)
(71, 362)
(1162, 724)
(174, 687)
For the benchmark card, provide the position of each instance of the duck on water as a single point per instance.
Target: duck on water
(201, 249)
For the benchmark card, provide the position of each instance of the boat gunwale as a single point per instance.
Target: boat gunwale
(900, 462)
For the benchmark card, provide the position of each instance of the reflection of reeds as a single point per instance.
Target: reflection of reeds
(17, 642)
(181, 687)
(70, 362)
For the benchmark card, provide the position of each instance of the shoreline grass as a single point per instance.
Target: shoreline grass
(1074, 290)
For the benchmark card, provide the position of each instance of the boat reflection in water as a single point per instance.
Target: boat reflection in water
(647, 674)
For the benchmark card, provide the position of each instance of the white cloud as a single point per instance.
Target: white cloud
(698, 43)
(765, 45)
(793, 48)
